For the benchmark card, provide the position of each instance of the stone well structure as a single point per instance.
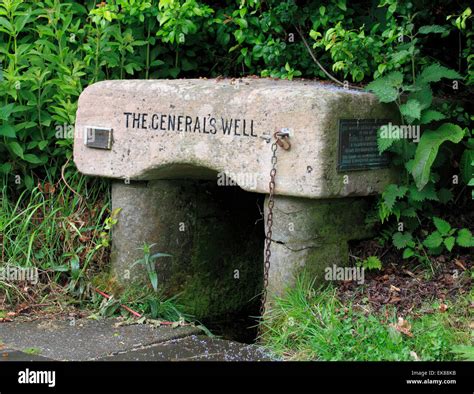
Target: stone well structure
(177, 149)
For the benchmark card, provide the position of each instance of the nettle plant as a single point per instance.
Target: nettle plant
(446, 237)
(419, 160)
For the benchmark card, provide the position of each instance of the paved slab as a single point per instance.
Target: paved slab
(104, 340)
(86, 339)
(195, 348)
(15, 355)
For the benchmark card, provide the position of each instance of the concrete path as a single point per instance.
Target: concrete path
(87, 340)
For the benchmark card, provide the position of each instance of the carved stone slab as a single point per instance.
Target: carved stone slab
(223, 129)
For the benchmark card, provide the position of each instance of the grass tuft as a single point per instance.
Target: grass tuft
(308, 324)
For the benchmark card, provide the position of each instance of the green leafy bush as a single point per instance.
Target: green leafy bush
(420, 158)
(51, 50)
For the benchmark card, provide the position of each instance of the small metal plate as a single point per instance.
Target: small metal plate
(98, 137)
(358, 145)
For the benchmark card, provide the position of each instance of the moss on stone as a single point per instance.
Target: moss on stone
(335, 222)
(321, 257)
(222, 244)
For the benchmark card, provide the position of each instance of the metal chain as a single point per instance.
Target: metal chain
(281, 140)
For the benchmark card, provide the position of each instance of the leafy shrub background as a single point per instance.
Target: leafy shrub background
(51, 50)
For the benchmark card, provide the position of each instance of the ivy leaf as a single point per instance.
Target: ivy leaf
(402, 240)
(433, 240)
(411, 109)
(428, 147)
(435, 72)
(431, 115)
(441, 225)
(449, 243)
(465, 238)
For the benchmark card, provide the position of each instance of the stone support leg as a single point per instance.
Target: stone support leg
(310, 235)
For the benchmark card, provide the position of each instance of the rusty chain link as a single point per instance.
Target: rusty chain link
(280, 140)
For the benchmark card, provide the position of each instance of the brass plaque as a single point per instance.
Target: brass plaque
(98, 137)
(358, 145)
